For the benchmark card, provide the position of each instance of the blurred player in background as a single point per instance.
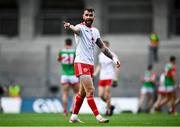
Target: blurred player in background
(148, 89)
(14, 89)
(153, 48)
(108, 74)
(86, 37)
(161, 93)
(68, 79)
(169, 82)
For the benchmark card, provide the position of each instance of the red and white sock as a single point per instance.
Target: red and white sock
(92, 105)
(77, 104)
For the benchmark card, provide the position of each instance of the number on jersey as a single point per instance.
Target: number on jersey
(67, 58)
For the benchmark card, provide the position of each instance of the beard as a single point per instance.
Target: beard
(88, 22)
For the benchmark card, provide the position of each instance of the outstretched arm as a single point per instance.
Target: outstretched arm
(107, 52)
(71, 27)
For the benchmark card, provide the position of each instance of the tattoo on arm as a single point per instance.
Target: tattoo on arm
(103, 48)
(107, 52)
(99, 43)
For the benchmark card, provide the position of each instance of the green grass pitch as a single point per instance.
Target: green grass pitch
(33, 119)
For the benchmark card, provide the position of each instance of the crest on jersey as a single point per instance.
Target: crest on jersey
(85, 69)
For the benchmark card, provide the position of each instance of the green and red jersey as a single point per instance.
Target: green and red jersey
(170, 70)
(149, 79)
(66, 57)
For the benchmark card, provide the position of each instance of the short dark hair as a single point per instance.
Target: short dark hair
(172, 58)
(68, 41)
(89, 9)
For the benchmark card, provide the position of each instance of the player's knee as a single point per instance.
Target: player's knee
(76, 91)
(108, 92)
(107, 96)
(90, 92)
(82, 94)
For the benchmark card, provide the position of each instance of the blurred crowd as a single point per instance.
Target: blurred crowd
(12, 90)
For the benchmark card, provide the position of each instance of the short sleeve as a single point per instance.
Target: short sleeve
(97, 34)
(174, 69)
(79, 26)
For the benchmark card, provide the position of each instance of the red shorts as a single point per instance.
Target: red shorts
(161, 92)
(81, 68)
(106, 82)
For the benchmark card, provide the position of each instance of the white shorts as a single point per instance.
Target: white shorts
(170, 89)
(145, 90)
(69, 79)
(162, 88)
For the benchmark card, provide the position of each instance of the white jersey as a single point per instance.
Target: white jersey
(85, 44)
(107, 67)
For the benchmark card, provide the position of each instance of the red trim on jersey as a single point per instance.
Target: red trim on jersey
(171, 72)
(81, 68)
(106, 82)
